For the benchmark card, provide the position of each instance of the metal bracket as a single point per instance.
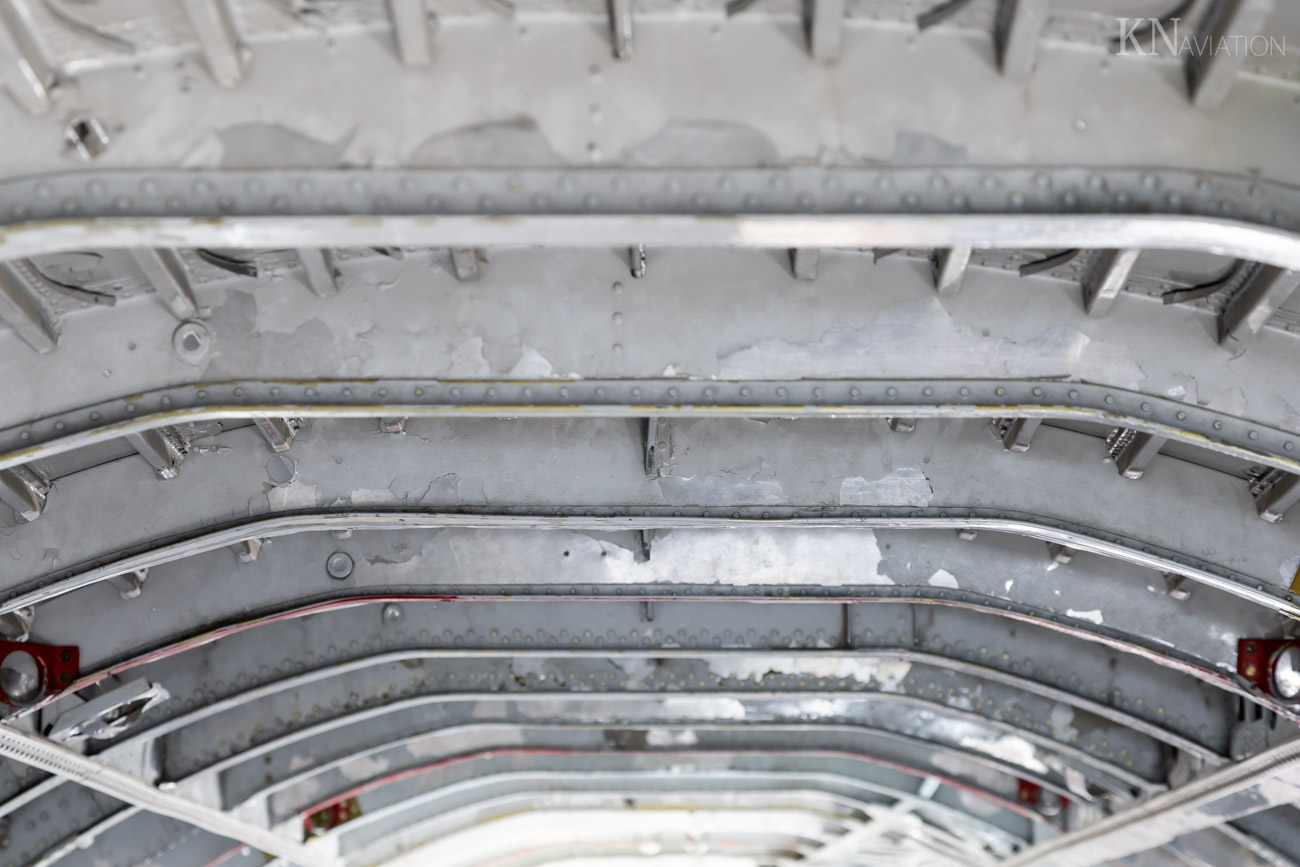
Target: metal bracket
(1046, 802)
(803, 262)
(645, 542)
(318, 268)
(1132, 451)
(164, 449)
(1175, 586)
(658, 446)
(1251, 306)
(1275, 492)
(22, 490)
(21, 306)
(620, 27)
(1272, 665)
(24, 66)
(130, 584)
(1018, 25)
(1105, 278)
(411, 31)
(56, 667)
(1016, 433)
(110, 714)
(824, 23)
(1060, 553)
(393, 425)
(1250, 733)
(1211, 73)
(17, 625)
(948, 266)
(278, 432)
(248, 550)
(166, 272)
(214, 29)
(901, 425)
(328, 818)
(464, 261)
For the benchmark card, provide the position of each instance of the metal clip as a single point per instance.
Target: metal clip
(22, 490)
(110, 714)
(658, 446)
(130, 584)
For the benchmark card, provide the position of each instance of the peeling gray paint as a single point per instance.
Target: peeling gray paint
(506, 143)
(269, 146)
(907, 486)
(706, 144)
(920, 337)
(943, 578)
(888, 673)
(760, 489)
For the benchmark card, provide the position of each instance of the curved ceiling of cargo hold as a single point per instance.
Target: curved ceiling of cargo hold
(881, 454)
(577, 635)
(868, 572)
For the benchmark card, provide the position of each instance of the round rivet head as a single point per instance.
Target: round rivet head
(339, 567)
(392, 612)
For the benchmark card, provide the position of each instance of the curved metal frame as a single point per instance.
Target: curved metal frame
(456, 209)
(334, 669)
(200, 402)
(1046, 530)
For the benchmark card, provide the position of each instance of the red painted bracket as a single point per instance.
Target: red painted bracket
(57, 666)
(331, 816)
(1032, 794)
(1257, 658)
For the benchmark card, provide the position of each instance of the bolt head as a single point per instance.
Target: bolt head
(339, 565)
